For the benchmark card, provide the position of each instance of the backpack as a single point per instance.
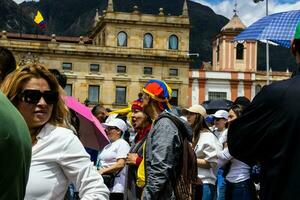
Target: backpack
(188, 171)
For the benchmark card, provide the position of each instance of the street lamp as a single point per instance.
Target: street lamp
(267, 44)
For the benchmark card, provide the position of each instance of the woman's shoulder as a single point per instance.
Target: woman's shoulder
(121, 141)
(58, 132)
(208, 135)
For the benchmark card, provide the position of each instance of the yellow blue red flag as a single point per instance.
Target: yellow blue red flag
(39, 20)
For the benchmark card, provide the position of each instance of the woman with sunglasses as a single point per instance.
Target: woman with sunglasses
(112, 158)
(58, 157)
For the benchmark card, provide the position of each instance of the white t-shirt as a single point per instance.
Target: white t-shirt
(58, 158)
(238, 171)
(207, 148)
(108, 157)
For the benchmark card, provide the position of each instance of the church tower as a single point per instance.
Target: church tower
(229, 55)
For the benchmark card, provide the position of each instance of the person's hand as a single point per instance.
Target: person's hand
(131, 158)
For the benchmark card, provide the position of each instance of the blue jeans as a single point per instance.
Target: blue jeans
(240, 191)
(208, 192)
(221, 185)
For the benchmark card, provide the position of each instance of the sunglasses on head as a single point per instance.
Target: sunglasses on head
(34, 96)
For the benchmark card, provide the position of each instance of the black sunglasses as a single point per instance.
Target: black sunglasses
(34, 96)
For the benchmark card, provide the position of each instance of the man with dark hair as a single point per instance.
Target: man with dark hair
(242, 100)
(61, 78)
(268, 132)
(100, 113)
(7, 62)
(15, 142)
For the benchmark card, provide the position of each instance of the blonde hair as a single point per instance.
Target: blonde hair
(13, 84)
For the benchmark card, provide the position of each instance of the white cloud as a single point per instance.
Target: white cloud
(20, 1)
(248, 11)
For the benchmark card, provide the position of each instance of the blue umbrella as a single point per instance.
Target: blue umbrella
(278, 28)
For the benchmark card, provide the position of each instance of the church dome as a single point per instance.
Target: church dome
(235, 24)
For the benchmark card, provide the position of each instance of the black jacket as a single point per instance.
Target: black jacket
(269, 132)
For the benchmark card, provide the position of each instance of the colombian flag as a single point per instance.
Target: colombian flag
(39, 20)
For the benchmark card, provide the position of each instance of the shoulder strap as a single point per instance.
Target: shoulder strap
(139, 144)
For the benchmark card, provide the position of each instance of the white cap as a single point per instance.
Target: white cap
(221, 114)
(196, 109)
(116, 122)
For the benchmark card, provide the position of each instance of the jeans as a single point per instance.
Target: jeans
(221, 185)
(208, 192)
(240, 191)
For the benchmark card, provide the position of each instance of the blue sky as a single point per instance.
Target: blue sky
(245, 7)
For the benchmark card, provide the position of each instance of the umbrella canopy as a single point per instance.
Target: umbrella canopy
(92, 134)
(278, 28)
(212, 106)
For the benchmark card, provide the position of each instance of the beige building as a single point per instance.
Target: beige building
(113, 63)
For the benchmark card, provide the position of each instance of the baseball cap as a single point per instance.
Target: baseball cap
(116, 122)
(196, 109)
(221, 114)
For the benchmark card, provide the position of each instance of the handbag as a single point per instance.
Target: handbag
(109, 178)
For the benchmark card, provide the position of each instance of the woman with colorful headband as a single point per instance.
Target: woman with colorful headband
(58, 157)
(141, 123)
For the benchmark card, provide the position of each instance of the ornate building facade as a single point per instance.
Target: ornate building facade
(233, 71)
(122, 53)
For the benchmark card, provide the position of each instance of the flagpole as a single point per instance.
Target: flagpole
(267, 45)
(267, 51)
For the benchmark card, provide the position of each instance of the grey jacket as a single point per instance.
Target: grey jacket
(162, 156)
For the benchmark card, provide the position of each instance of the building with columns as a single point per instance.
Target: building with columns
(233, 71)
(122, 53)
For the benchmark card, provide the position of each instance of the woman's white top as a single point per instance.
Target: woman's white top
(207, 148)
(108, 157)
(238, 170)
(58, 159)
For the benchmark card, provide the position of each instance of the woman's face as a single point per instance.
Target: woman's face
(191, 117)
(220, 123)
(35, 114)
(138, 119)
(231, 116)
(113, 133)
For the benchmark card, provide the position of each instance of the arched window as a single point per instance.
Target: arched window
(122, 39)
(148, 41)
(240, 51)
(173, 42)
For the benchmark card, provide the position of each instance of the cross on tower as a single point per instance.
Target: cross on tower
(235, 8)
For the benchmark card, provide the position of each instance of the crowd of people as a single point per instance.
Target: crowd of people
(249, 152)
